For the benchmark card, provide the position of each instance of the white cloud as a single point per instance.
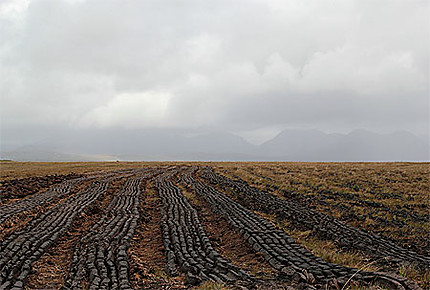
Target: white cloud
(13, 8)
(130, 110)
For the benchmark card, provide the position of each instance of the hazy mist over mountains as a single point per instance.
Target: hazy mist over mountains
(216, 145)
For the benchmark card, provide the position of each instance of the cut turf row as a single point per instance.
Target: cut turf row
(324, 226)
(102, 252)
(24, 187)
(280, 250)
(56, 192)
(19, 250)
(51, 269)
(146, 253)
(186, 243)
(230, 243)
(360, 203)
(33, 201)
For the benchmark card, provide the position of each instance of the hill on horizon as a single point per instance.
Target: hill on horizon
(216, 145)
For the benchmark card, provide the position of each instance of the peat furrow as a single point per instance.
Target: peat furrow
(281, 251)
(101, 256)
(20, 249)
(146, 252)
(186, 243)
(229, 243)
(324, 226)
(24, 187)
(33, 201)
(55, 193)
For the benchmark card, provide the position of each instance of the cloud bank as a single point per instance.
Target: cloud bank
(250, 67)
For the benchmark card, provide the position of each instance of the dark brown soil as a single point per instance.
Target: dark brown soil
(51, 270)
(146, 252)
(230, 244)
(19, 188)
(20, 220)
(388, 199)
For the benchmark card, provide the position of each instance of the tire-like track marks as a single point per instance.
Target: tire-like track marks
(186, 242)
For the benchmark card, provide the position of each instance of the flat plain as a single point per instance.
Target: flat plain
(214, 225)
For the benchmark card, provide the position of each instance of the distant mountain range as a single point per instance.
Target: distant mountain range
(359, 145)
(194, 144)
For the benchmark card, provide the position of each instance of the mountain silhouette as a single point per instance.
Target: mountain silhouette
(218, 145)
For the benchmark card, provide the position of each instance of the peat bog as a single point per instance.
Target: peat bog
(175, 225)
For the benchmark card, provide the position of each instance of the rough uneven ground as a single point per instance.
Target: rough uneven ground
(173, 225)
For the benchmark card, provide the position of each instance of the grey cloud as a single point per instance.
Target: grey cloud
(238, 65)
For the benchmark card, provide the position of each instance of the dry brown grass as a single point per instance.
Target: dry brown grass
(229, 243)
(387, 198)
(19, 221)
(213, 286)
(50, 271)
(146, 252)
(12, 169)
(390, 199)
(327, 250)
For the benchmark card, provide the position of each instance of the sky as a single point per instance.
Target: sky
(249, 67)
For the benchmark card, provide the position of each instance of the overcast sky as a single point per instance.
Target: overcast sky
(249, 67)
